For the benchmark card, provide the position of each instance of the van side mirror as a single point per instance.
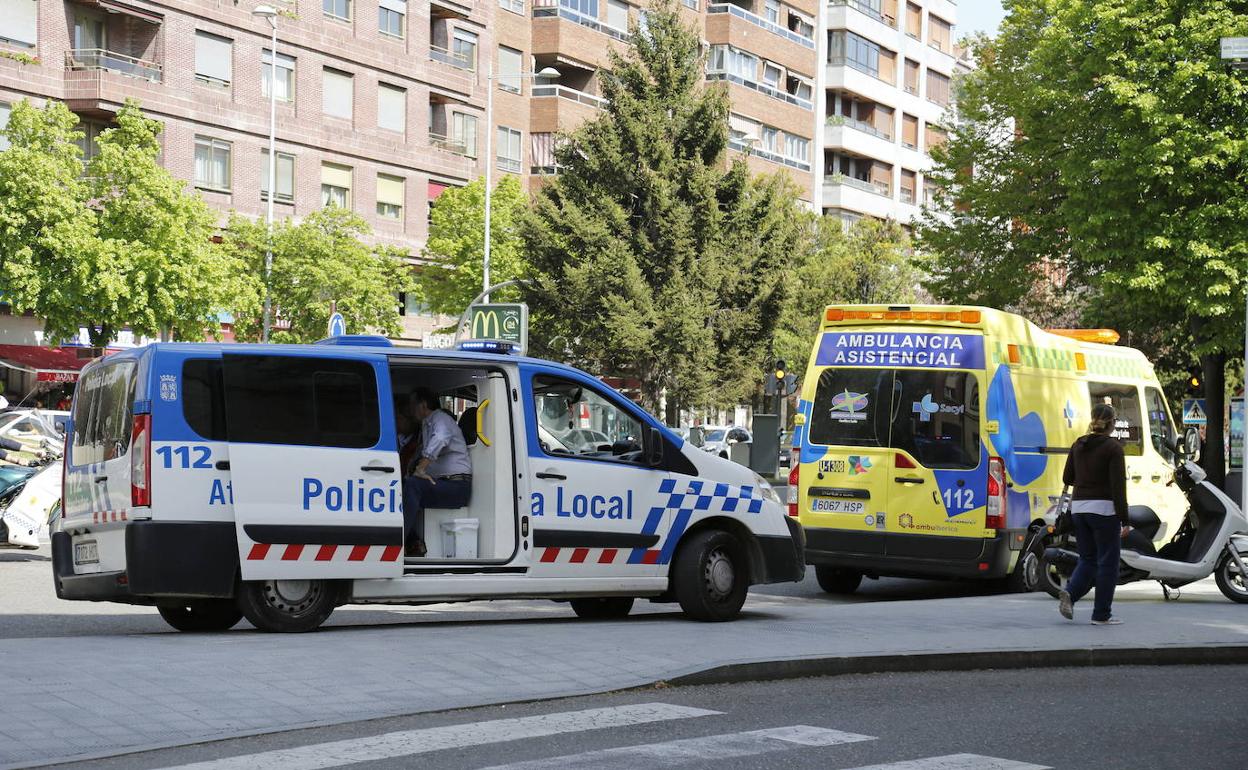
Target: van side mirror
(654, 446)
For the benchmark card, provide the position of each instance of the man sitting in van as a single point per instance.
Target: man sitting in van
(441, 476)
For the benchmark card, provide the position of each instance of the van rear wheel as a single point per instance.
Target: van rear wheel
(711, 576)
(834, 580)
(605, 608)
(287, 606)
(201, 614)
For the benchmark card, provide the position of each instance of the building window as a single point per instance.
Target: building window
(338, 9)
(588, 8)
(772, 74)
(771, 139)
(390, 195)
(796, 86)
(464, 48)
(939, 33)
(88, 132)
(617, 15)
(214, 59)
(212, 164)
(908, 184)
(285, 177)
(391, 107)
(509, 152)
(912, 77)
(515, 6)
(933, 137)
(464, 132)
(728, 59)
(5, 110)
(335, 185)
(937, 88)
(910, 131)
(796, 147)
(19, 23)
(285, 75)
(771, 11)
(337, 93)
(914, 20)
(90, 34)
(510, 62)
(852, 50)
(390, 17)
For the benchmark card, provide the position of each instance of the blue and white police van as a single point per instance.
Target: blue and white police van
(262, 481)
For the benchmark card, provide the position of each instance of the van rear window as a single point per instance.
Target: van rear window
(203, 398)
(103, 413)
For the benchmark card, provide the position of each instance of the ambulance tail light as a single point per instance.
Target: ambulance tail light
(794, 477)
(141, 461)
(996, 494)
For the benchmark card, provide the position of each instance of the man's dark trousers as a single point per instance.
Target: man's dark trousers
(1100, 545)
(419, 494)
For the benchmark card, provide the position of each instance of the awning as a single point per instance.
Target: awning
(113, 6)
(47, 364)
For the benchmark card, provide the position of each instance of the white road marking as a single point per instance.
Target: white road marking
(408, 742)
(680, 752)
(956, 762)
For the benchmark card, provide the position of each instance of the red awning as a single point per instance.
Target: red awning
(47, 364)
(436, 189)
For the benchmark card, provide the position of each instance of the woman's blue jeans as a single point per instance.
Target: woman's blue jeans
(1100, 544)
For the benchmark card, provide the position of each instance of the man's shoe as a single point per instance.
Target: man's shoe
(1065, 605)
(415, 548)
(1107, 622)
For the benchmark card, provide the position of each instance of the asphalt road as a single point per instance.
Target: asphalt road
(29, 607)
(1179, 717)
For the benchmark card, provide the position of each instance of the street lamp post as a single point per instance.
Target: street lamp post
(545, 72)
(269, 13)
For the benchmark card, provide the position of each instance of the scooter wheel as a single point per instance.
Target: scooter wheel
(1051, 578)
(1231, 581)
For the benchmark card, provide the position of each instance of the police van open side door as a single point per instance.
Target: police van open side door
(313, 465)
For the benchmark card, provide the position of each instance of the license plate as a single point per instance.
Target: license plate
(86, 552)
(819, 505)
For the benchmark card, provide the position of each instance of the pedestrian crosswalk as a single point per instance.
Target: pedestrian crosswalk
(407, 746)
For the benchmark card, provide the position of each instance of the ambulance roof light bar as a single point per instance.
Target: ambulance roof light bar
(1103, 336)
(903, 313)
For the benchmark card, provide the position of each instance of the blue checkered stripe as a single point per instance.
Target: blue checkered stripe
(685, 499)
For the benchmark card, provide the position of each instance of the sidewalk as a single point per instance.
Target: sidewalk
(79, 697)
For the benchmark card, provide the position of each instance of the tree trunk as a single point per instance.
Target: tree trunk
(671, 415)
(1213, 373)
(100, 336)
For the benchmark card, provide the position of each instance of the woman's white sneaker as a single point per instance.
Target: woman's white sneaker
(1107, 622)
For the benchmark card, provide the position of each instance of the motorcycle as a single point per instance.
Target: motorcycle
(30, 493)
(1213, 539)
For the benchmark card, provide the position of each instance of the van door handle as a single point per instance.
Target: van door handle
(378, 468)
(101, 479)
(908, 480)
(222, 465)
(558, 476)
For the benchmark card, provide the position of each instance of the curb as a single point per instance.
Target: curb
(1080, 657)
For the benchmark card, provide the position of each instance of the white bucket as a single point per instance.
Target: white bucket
(459, 539)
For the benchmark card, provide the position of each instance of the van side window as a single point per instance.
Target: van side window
(1159, 426)
(574, 421)
(300, 401)
(1125, 399)
(104, 413)
(203, 397)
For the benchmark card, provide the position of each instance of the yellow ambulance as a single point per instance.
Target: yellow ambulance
(930, 440)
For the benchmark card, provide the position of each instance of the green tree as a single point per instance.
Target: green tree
(123, 246)
(322, 259)
(651, 256)
(452, 277)
(871, 263)
(1104, 171)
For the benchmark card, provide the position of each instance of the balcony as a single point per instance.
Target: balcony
(100, 60)
(448, 144)
(879, 188)
(863, 198)
(571, 94)
(567, 14)
(864, 8)
(757, 151)
(457, 60)
(759, 21)
(762, 88)
(858, 125)
(557, 108)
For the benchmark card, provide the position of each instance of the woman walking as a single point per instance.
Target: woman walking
(1097, 471)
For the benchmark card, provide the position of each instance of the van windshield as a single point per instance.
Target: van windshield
(103, 413)
(933, 414)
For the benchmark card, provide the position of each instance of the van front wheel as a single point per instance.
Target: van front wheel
(201, 614)
(286, 606)
(711, 576)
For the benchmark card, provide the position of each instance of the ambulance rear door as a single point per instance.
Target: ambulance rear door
(314, 466)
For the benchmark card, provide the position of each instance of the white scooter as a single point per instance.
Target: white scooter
(29, 506)
(1212, 539)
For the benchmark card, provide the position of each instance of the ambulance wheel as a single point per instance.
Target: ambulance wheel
(711, 576)
(834, 580)
(201, 614)
(607, 608)
(286, 606)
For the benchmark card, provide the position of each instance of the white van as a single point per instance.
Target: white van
(222, 481)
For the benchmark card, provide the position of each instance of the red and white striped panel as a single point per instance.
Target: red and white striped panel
(335, 553)
(589, 555)
(100, 517)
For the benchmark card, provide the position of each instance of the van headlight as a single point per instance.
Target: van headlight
(768, 492)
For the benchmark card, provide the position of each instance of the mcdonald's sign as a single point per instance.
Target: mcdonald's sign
(507, 322)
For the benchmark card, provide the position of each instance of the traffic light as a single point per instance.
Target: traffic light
(780, 370)
(1194, 383)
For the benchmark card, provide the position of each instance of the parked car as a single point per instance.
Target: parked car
(717, 439)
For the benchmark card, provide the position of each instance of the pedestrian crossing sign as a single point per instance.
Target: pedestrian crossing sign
(1194, 411)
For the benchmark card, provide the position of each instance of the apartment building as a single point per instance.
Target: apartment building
(884, 102)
